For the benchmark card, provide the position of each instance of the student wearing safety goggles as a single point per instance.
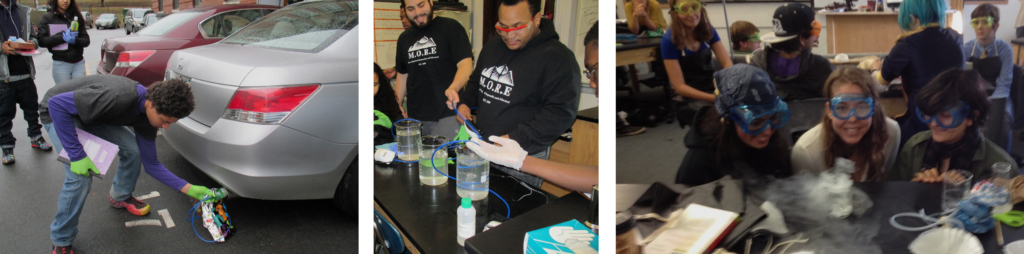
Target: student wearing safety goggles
(919, 55)
(798, 73)
(853, 127)
(745, 37)
(992, 58)
(686, 50)
(953, 106)
(738, 135)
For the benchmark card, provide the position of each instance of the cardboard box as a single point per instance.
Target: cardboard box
(23, 45)
(551, 239)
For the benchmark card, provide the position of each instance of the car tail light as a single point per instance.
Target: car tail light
(267, 105)
(132, 58)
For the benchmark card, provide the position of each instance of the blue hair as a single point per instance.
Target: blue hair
(926, 11)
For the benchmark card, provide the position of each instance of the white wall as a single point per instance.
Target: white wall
(1007, 16)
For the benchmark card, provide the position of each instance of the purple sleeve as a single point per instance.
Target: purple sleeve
(153, 167)
(62, 109)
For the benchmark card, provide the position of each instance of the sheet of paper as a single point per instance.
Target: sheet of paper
(100, 151)
(55, 29)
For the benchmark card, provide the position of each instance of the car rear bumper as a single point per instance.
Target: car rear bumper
(263, 161)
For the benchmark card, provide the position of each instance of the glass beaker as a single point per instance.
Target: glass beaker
(408, 134)
(956, 185)
(1001, 177)
(428, 175)
(472, 174)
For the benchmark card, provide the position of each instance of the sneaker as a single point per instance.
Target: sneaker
(631, 130)
(134, 206)
(63, 250)
(8, 156)
(41, 144)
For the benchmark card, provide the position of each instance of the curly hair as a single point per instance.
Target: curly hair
(171, 98)
(384, 100)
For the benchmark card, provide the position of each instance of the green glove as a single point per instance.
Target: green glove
(382, 119)
(83, 166)
(199, 192)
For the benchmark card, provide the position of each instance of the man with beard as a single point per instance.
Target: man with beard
(540, 102)
(434, 61)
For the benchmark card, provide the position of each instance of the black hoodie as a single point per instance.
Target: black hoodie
(73, 53)
(532, 94)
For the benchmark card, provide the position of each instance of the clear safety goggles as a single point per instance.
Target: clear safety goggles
(950, 117)
(756, 119)
(848, 105)
(982, 22)
(687, 7)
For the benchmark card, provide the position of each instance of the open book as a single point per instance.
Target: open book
(697, 229)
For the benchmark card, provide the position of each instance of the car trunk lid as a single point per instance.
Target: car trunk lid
(215, 76)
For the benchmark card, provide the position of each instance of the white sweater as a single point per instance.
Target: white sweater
(809, 152)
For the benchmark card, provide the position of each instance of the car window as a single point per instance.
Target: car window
(139, 13)
(227, 23)
(168, 23)
(304, 27)
(150, 20)
(108, 16)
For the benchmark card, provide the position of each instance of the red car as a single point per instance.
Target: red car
(143, 56)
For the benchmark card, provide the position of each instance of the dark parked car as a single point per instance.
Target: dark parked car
(143, 57)
(133, 20)
(152, 18)
(107, 20)
(88, 22)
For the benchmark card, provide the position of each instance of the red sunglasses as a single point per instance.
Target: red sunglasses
(510, 29)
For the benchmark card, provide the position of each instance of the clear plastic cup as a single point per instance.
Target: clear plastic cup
(408, 134)
(956, 186)
(428, 175)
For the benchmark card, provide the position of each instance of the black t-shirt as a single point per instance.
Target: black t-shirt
(430, 56)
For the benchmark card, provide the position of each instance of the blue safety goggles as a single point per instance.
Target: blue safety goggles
(950, 117)
(754, 119)
(848, 105)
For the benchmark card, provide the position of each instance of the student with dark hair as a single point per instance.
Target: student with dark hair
(992, 58)
(383, 94)
(434, 62)
(526, 86)
(68, 63)
(738, 136)
(105, 106)
(927, 49)
(745, 37)
(510, 154)
(953, 106)
(798, 73)
(853, 126)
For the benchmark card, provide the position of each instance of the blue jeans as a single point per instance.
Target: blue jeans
(64, 71)
(76, 187)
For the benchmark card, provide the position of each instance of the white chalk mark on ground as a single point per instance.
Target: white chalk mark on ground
(167, 217)
(143, 223)
(148, 196)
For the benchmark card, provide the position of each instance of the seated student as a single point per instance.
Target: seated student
(644, 15)
(745, 37)
(797, 72)
(738, 136)
(953, 106)
(992, 58)
(686, 51)
(919, 55)
(853, 127)
(382, 92)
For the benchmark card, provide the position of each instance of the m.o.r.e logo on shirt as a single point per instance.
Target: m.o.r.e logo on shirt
(496, 83)
(424, 49)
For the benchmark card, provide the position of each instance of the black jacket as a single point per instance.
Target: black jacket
(74, 52)
(701, 164)
(808, 82)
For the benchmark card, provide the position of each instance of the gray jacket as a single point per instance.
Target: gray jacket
(24, 13)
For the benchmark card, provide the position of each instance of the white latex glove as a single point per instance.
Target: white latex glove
(561, 234)
(509, 154)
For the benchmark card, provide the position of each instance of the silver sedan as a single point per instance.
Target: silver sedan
(276, 105)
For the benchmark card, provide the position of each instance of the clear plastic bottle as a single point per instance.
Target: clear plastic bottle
(466, 221)
(74, 25)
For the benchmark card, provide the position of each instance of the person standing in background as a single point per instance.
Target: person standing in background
(19, 79)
